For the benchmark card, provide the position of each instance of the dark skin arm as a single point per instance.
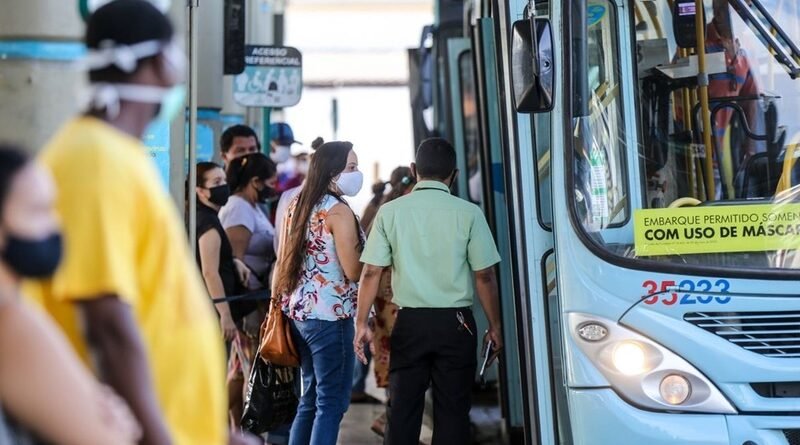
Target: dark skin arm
(114, 338)
(486, 287)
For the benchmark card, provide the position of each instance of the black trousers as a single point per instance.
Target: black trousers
(430, 347)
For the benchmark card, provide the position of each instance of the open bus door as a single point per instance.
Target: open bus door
(529, 137)
(466, 140)
(476, 134)
(512, 370)
(505, 162)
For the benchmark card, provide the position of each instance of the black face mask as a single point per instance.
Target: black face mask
(220, 194)
(266, 194)
(33, 258)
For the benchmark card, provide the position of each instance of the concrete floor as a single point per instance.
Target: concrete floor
(357, 421)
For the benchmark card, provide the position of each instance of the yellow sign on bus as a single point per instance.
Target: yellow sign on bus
(717, 229)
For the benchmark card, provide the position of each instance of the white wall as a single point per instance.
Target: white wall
(376, 120)
(363, 41)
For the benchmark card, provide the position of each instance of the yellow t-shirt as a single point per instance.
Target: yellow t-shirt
(123, 236)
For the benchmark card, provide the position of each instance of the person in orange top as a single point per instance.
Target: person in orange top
(737, 82)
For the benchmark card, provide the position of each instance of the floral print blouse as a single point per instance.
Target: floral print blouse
(323, 292)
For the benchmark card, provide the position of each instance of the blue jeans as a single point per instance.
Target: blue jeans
(326, 366)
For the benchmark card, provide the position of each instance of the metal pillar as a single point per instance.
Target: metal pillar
(259, 32)
(177, 139)
(194, 5)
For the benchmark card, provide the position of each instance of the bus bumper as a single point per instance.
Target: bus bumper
(600, 417)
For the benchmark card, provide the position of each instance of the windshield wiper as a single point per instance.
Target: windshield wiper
(783, 48)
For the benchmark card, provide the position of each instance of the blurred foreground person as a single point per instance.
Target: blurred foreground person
(44, 389)
(128, 274)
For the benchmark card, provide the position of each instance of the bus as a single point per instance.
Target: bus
(636, 161)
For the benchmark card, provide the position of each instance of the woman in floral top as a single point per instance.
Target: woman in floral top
(316, 278)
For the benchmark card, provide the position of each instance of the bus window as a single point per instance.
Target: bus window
(469, 116)
(541, 126)
(600, 137)
(741, 172)
(751, 100)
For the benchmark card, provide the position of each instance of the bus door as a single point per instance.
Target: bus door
(528, 139)
(493, 171)
(465, 137)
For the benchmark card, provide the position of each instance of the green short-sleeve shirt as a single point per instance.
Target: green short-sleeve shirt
(434, 242)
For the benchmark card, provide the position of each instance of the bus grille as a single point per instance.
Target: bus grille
(793, 436)
(773, 334)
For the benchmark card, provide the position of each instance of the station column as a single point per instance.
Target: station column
(41, 83)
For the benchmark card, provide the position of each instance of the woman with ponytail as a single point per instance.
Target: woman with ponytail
(251, 179)
(316, 277)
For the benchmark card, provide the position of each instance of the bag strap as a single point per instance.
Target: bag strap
(284, 237)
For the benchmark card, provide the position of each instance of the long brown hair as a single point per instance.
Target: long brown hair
(328, 161)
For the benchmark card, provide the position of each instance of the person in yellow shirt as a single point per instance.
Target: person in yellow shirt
(127, 273)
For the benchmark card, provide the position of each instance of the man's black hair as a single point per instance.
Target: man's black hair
(436, 159)
(125, 22)
(236, 131)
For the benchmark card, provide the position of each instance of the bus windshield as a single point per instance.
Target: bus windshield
(713, 179)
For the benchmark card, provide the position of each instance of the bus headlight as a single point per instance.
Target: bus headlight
(645, 373)
(628, 357)
(675, 389)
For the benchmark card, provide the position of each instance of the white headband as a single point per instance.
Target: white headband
(124, 57)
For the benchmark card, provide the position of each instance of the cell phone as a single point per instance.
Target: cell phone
(486, 355)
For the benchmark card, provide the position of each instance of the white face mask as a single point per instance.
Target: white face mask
(350, 183)
(281, 154)
(302, 167)
(108, 96)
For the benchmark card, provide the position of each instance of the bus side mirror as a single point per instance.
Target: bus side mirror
(532, 65)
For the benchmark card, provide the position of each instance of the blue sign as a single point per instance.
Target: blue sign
(205, 145)
(229, 120)
(596, 12)
(273, 77)
(41, 50)
(156, 138)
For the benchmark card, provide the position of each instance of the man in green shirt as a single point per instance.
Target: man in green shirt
(440, 250)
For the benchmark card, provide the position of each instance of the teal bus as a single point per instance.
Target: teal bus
(636, 161)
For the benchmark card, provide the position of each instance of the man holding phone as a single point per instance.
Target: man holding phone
(441, 251)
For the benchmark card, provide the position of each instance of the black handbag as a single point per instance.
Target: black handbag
(271, 399)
